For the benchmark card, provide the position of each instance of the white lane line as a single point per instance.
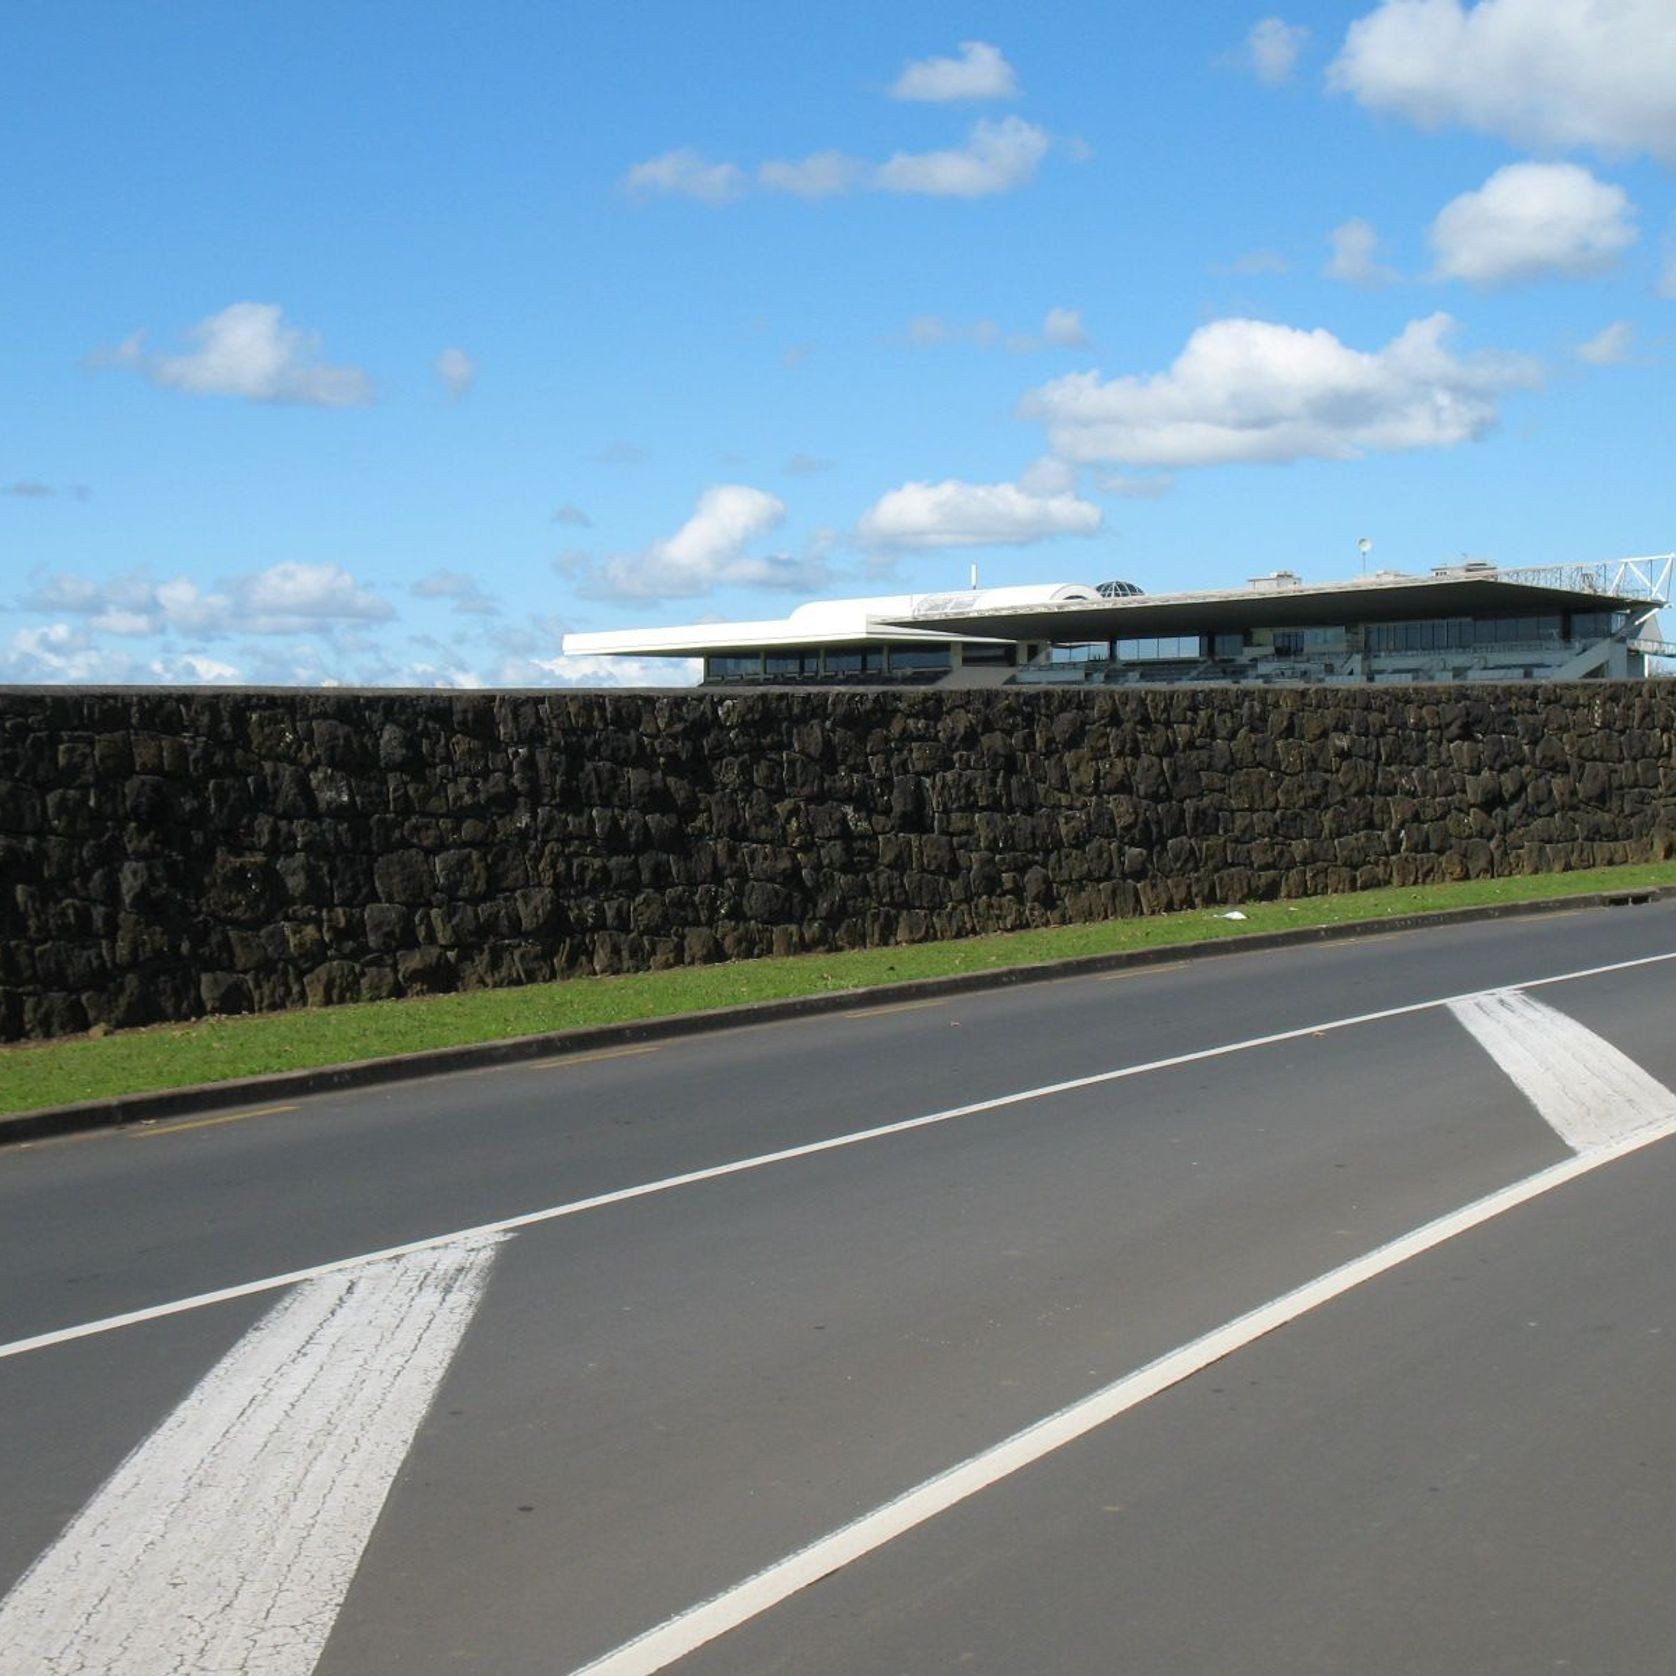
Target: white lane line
(227, 1540)
(715, 1172)
(684, 1633)
(1590, 1093)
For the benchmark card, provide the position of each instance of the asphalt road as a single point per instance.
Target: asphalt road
(557, 1437)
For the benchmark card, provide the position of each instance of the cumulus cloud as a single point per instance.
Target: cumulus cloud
(1271, 50)
(997, 157)
(1598, 73)
(1250, 390)
(454, 585)
(1531, 219)
(1353, 245)
(685, 173)
(927, 516)
(823, 174)
(55, 652)
(593, 670)
(1614, 346)
(568, 514)
(979, 72)
(283, 599)
(248, 350)
(457, 371)
(709, 551)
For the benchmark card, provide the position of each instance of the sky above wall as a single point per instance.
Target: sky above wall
(384, 344)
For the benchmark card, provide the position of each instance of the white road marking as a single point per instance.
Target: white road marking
(1591, 1094)
(715, 1172)
(673, 1639)
(227, 1540)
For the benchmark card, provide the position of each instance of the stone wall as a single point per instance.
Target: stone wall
(165, 853)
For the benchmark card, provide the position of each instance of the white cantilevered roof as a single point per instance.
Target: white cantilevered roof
(894, 618)
(1069, 612)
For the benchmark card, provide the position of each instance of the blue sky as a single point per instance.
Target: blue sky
(377, 343)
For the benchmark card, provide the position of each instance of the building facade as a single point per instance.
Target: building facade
(1467, 622)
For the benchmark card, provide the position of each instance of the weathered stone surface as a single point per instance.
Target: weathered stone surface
(165, 854)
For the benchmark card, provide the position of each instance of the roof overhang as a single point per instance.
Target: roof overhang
(1371, 601)
(742, 639)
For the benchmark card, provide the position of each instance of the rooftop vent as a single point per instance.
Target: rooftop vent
(1466, 567)
(1277, 582)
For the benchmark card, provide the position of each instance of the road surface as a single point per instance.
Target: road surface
(1344, 1279)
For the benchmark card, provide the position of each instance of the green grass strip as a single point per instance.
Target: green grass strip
(216, 1049)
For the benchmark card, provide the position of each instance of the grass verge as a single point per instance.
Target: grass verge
(217, 1049)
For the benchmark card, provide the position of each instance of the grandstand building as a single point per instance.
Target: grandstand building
(1468, 622)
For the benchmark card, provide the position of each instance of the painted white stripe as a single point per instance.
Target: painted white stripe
(667, 1184)
(673, 1639)
(1590, 1093)
(227, 1540)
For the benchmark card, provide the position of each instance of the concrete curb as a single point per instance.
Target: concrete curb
(52, 1121)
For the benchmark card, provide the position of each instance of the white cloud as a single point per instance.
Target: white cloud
(57, 652)
(592, 670)
(1250, 390)
(980, 72)
(1048, 476)
(1354, 243)
(247, 350)
(707, 552)
(457, 371)
(823, 174)
(283, 599)
(1598, 73)
(685, 174)
(1530, 219)
(469, 599)
(1612, 347)
(926, 516)
(294, 598)
(997, 157)
(1150, 485)
(192, 666)
(1272, 48)
(1063, 328)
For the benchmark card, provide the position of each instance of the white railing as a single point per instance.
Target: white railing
(1645, 578)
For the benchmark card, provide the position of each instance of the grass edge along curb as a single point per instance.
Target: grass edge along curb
(117, 1111)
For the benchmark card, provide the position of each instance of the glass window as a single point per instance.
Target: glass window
(732, 667)
(919, 657)
(793, 663)
(1155, 648)
(1228, 645)
(854, 660)
(979, 652)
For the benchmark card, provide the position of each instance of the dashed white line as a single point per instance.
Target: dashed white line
(227, 1540)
